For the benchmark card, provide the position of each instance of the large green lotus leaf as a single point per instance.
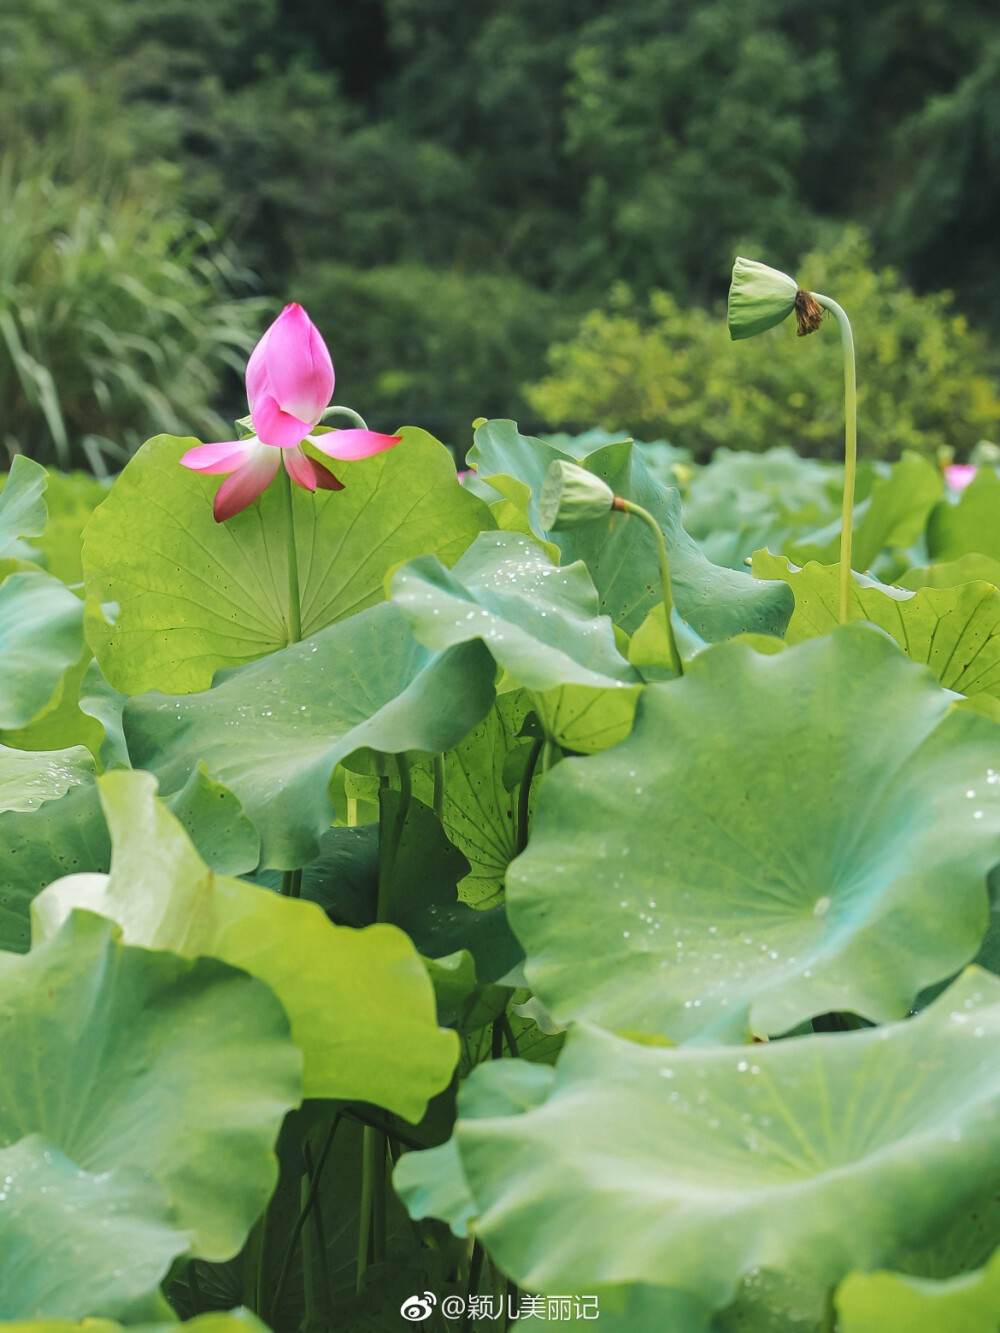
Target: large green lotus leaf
(432, 1184)
(949, 573)
(897, 1303)
(360, 1004)
(29, 778)
(59, 838)
(76, 1243)
(479, 810)
(22, 508)
(327, 1282)
(62, 722)
(956, 630)
(343, 879)
(541, 622)
(194, 595)
(584, 718)
(223, 1321)
(101, 702)
(620, 552)
(128, 1057)
(41, 637)
(414, 887)
(274, 730)
(418, 893)
(216, 824)
(689, 1168)
(71, 498)
(968, 527)
(780, 836)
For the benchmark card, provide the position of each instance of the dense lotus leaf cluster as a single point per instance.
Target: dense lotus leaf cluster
(469, 947)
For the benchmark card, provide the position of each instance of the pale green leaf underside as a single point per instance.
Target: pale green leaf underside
(41, 636)
(76, 1243)
(359, 1002)
(29, 778)
(541, 622)
(273, 731)
(62, 837)
(122, 1057)
(22, 507)
(687, 1168)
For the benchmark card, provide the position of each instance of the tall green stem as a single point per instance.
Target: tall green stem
(850, 449)
(475, 1278)
(291, 883)
(440, 780)
(829, 1324)
(661, 550)
(371, 1224)
(389, 847)
(294, 608)
(371, 1232)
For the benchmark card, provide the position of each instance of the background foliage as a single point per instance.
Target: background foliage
(431, 175)
(664, 369)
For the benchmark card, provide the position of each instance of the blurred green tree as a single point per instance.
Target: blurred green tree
(926, 381)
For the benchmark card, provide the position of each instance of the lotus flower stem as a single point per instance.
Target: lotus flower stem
(322, 1250)
(294, 607)
(300, 1222)
(365, 1217)
(524, 794)
(440, 779)
(627, 507)
(346, 412)
(850, 449)
(291, 883)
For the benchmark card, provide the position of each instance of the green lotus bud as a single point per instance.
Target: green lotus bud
(572, 495)
(761, 297)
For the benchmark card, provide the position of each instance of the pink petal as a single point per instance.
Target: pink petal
(325, 478)
(211, 458)
(353, 444)
(300, 468)
(244, 486)
(958, 475)
(256, 373)
(275, 427)
(292, 363)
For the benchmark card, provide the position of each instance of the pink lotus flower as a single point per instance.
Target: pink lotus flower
(289, 386)
(958, 475)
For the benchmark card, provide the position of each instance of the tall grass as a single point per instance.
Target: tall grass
(119, 317)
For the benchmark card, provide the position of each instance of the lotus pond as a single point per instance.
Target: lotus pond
(409, 916)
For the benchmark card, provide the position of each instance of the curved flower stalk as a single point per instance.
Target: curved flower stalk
(571, 495)
(760, 298)
(290, 381)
